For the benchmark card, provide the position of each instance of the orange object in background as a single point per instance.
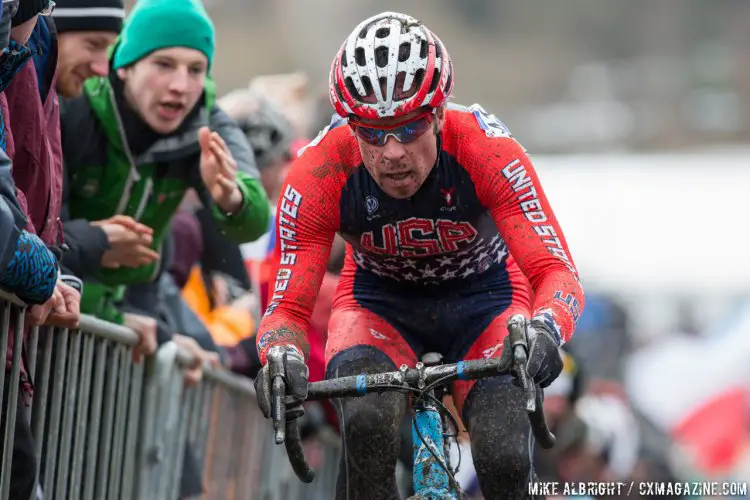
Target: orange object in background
(227, 324)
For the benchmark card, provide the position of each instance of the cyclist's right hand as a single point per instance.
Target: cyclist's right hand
(129, 241)
(543, 362)
(288, 361)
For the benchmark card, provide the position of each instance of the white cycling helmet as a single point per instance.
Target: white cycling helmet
(390, 65)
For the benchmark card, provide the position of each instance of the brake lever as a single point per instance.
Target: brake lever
(278, 395)
(520, 345)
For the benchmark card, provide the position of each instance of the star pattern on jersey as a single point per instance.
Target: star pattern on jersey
(463, 264)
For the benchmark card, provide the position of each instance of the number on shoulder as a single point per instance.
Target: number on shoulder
(490, 123)
(336, 121)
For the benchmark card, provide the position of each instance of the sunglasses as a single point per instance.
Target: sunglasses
(404, 133)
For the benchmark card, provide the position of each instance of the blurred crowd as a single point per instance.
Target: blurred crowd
(176, 255)
(131, 192)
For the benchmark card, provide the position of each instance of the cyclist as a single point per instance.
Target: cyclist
(449, 233)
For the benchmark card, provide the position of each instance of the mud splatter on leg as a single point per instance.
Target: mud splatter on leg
(370, 428)
(500, 438)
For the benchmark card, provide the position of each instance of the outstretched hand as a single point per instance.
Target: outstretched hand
(219, 171)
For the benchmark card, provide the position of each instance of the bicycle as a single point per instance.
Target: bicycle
(432, 476)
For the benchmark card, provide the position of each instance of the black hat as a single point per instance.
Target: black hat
(88, 15)
(27, 9)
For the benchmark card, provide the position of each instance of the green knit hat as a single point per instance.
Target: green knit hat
(161, 24)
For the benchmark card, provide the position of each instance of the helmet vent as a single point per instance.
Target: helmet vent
(381, 56)
(382, 32)
(404, 51)
(359, 56)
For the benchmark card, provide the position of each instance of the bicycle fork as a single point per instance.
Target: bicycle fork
(431, 481)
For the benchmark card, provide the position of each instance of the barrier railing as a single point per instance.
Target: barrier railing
(107, 428)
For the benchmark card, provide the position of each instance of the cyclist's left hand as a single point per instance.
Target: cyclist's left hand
(545, 361)
(219, 171)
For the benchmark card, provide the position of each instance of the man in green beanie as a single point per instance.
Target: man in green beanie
(139, 138)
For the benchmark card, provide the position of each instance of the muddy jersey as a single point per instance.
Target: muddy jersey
(479, 226)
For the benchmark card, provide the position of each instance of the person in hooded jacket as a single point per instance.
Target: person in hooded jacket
(28, 268)
(139, 138)
(31, 138)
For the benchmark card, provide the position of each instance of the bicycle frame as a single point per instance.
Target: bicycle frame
(430, 478)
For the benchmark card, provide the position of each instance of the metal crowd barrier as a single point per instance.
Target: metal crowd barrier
(107, 428)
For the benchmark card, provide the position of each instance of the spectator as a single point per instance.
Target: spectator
(268, 131)
(291, 93)
(270, 135)
(85, 31)
(27, 267)
(145, 127)
(33, 145)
